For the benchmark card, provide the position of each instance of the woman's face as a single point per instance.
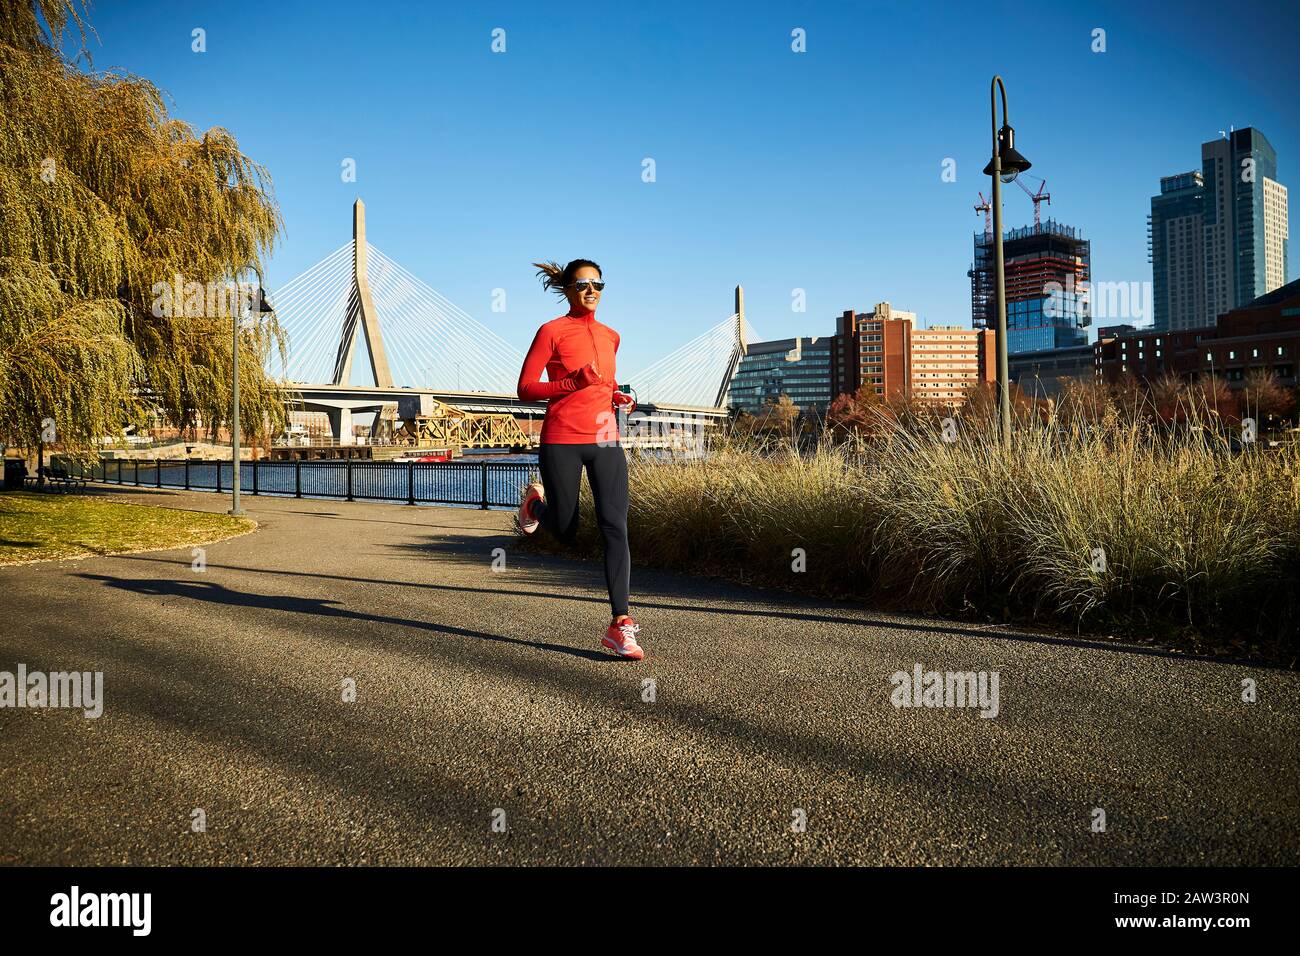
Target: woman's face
(587, 297)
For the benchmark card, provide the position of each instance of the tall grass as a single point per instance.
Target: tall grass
(1118, 525)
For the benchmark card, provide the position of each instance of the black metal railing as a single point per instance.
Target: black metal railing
(480, 484)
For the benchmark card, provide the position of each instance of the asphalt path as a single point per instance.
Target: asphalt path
(490, 727)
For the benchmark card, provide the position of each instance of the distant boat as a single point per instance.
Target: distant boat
(424, 457)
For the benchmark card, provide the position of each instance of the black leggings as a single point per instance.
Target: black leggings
(561, 467)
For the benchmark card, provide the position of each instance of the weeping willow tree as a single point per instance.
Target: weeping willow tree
(105, 201)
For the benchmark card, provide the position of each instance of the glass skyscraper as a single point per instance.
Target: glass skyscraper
(1218, 235)
(799, 367)
(1047, 269)
(1245, 221)
(1176, 238)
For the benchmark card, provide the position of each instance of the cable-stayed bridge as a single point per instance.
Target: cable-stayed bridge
(415, 342)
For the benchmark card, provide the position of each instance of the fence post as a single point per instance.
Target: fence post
(157, 472)
(254, 476)
(484, 505)
(187, 472)
(218, 464)
(119, 471)
(136, 463)
(297, 477)
(349, 461)
(410, 482)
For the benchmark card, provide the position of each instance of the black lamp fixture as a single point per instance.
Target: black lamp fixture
(264, 307)
(1012, 163)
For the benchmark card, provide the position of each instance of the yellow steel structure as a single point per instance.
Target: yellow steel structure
(450, 427)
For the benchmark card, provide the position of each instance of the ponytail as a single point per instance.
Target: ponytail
(556, 278)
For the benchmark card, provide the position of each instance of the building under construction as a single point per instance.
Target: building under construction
(1047, 272)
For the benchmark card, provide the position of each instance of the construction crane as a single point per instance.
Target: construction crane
(1041, 196)
(985, 208)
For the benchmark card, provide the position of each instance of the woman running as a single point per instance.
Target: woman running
(581, 430)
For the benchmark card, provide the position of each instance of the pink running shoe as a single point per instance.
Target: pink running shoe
(527, 523)
(621, 639)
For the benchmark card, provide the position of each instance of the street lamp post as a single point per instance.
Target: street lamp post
(1005, 165)
(262, 308)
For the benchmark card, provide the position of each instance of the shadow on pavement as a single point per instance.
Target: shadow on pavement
(194, 695)
(674, 591)
(217, 594)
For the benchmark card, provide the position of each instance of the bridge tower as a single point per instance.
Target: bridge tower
(739, 347)
(361, 309)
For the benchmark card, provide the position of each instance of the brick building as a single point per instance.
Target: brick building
(886, 349)
(1262, 335)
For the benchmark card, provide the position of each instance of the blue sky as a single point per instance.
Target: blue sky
(778, 170)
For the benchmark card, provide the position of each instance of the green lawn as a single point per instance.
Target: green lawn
(37, 527)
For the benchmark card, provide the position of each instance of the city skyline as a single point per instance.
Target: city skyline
(465, 157)
(1219, 234)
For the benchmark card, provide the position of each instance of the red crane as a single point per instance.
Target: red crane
(1040, 196)
(985, 208)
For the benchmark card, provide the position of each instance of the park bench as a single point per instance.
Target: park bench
(58, 478)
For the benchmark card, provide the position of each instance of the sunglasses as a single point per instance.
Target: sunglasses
(582, 285)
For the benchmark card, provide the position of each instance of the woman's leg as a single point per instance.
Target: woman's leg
(561, 468)
(607, 473)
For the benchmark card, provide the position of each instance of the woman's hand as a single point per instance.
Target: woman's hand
(587, 375)
(622, 398)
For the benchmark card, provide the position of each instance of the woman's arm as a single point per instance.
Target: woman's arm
(531, 387)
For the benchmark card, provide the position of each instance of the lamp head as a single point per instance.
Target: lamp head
(1009, 158)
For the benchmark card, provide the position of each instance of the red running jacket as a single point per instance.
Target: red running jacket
(574, 416)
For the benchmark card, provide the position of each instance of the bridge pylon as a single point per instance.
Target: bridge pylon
(739, 347)
(361, 311)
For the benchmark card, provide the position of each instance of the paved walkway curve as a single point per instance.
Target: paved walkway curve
(482, 696)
